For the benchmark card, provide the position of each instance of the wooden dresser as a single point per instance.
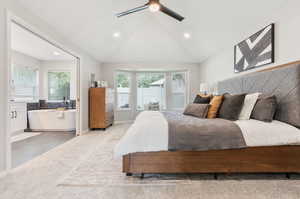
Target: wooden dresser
(101, 108)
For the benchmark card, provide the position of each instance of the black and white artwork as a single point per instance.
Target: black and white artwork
(256, 51)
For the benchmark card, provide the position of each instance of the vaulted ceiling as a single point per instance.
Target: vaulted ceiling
(154, 37)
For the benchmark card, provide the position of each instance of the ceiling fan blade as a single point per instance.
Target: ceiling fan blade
(171, 13)
(133, 10)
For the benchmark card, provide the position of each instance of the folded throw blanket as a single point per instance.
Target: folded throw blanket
(187, 133)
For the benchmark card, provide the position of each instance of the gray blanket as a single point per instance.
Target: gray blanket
(187, 133)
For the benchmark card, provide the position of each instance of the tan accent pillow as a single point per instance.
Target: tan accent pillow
(215, 105)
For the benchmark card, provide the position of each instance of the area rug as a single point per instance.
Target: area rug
(99, 168)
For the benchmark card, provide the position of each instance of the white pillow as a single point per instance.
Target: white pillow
(249, 103)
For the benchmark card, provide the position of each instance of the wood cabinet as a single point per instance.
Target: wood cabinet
(101, 108)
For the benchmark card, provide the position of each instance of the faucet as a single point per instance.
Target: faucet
(65, 102)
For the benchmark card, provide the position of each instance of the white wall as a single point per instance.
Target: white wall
(108, 71)
(88, 65)
(47, 66)
(287, 45)
(25, 60)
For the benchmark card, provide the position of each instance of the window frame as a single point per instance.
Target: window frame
(186, 93)
(47, 82)
(164, 73)
(130, 75)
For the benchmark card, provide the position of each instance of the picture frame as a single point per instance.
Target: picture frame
(256, 51)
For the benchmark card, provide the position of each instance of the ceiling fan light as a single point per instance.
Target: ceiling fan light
(154, 7)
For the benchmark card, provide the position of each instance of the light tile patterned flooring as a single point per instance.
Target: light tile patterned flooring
(27, 146)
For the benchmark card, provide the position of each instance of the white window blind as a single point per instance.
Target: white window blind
(25, 83)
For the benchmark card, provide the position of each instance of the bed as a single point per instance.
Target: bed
(268, 148)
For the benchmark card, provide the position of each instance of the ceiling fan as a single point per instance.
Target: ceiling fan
(154, 6)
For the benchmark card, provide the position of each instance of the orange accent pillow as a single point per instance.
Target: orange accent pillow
(215, 105)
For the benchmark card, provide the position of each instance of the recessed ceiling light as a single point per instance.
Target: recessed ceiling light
(56, 53)
(187, 35)
(116, 34)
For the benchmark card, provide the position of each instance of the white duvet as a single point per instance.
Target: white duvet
(149, 133)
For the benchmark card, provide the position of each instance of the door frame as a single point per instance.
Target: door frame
(12, 18)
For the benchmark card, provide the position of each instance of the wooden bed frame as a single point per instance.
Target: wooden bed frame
(275, 159)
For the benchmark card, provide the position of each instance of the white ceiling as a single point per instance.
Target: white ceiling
(154, 37)
(29, 44)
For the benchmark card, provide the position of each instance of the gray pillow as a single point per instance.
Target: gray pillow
(197, 110)
(231, 106)
(202, 99)
(264, 109)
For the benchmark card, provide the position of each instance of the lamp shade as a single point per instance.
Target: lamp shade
(203, 87)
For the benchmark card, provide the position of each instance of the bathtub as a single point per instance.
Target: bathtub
(52, 120)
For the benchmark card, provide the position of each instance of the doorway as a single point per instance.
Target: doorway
(43, 93)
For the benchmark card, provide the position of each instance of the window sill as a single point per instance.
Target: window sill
(24, 101)
(123, 110)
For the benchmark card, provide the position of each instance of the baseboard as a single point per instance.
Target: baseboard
(123, 122)
(86, 131)
(17, 133)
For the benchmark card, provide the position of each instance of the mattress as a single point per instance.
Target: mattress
(150, 133)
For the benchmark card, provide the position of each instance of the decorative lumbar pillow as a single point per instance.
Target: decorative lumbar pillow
(265, 108)
(231, 106)
(249, 103)
(215, 105)
(197, 110)
(202, 99)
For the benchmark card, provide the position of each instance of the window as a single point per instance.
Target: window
(178, 97)
(25, 83)
(151, 92)
(59, 85)
(155, 91)
(123, 81)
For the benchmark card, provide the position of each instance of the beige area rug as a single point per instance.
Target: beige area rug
(100, 169)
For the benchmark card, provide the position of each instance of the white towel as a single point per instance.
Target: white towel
(60, 114)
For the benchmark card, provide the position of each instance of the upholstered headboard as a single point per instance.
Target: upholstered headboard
(283, 82)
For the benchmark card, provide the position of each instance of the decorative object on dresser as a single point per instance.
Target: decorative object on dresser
(257, 50)
(101, 108)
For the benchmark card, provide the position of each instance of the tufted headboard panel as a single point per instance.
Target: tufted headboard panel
(283, 82)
